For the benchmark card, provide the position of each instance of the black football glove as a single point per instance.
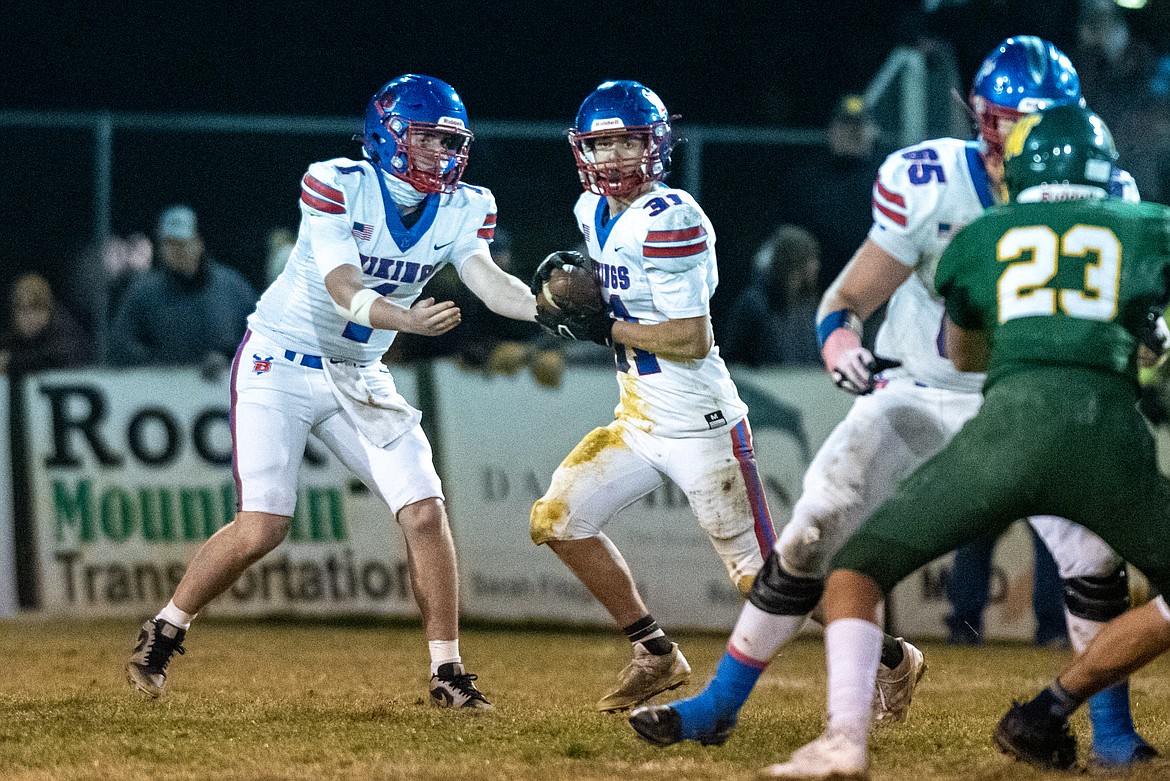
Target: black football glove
(873, 367)
(556, 260)
(1154, 334)
(579, 326)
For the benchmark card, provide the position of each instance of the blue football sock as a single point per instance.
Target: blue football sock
(720, 700)
(1115, 741)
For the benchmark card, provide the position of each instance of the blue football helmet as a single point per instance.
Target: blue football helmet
(396, 119)
(1022, 75)
(618, 108)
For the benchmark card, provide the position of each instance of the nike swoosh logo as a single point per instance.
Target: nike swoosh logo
(440, 246)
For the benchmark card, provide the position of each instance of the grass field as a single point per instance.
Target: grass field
(273, 700)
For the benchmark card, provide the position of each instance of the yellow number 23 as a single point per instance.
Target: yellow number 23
(1022, 291)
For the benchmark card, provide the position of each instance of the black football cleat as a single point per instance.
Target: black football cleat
(1045, 740)
(158, 641)
(453, 687)
(662, 726)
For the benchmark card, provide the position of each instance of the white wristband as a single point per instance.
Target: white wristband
(360, 305)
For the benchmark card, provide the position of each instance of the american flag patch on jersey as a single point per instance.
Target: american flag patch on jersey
(363, 232)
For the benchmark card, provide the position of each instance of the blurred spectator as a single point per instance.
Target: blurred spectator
(189, 309)
(280, 245)
(773, 321)
(969, 592)
(125, 260)
(485, 341)
(42, 334)
(1121, 80)
(828, 191)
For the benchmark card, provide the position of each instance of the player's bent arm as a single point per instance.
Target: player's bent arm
(364, 306)
(503, 293)
(867, 281)
(688, 338)
(967, 348)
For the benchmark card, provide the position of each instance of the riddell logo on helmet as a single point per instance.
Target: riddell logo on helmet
(607, 124)
(1028, 105)
(450, 122)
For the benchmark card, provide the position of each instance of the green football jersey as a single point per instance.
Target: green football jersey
(1064, 284)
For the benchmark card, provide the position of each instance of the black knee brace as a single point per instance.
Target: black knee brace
(775, 591)
(1098, 599)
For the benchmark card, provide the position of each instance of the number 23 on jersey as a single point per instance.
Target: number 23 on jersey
(1021, 290)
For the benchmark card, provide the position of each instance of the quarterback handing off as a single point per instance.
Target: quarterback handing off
(372, 232)
(679, 416)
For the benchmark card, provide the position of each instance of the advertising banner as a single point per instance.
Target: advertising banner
(132, 470)
(501, 454)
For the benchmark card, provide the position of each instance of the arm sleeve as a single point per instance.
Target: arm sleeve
(678, 254)
(325, 210)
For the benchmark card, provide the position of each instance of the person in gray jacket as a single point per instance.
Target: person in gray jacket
(188, 309)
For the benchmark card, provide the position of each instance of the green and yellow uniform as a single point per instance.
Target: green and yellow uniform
(1060, 290)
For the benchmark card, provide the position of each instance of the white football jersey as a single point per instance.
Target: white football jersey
(656, 261)
(923, 196)
(297, 311)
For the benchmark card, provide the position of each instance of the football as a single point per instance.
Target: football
(573, 288)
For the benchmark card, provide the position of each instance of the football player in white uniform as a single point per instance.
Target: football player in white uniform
(372, 232)
(923, 195)
(679, 414)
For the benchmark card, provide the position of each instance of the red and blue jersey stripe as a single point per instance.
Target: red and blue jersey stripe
(741, 442)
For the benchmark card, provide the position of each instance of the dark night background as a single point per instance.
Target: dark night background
(781, 63)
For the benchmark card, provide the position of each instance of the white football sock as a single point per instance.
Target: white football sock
(442, 652)
(172, 615)
(853, 648)
(759, 634)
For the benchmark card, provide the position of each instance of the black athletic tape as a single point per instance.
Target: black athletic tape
(1098, 599)
(775, 591)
